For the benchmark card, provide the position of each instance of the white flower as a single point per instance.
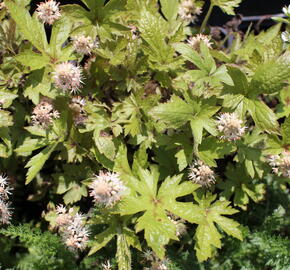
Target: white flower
(76, 238)
(44, 113)
(286, 10)
(107, 265)
(48, 11)
(285, 36)
(107, 188)
(67, 77)
(77, 106)
(3, 180)
(71, 226)
(280, 164)
(231, 126)
(5, 210)
(201, 174)
(5, 190)
(83, 45)
(194, 42)
(188, 11)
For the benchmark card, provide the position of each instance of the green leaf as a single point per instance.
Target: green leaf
(59, 34)
(271, 76)
(190, 55)
(30, 27)
(101, 239)
(30, 145)
(159, 229)
(169, 8)
(263, 116)
(174, 113)
(241, 187)
(285, 130)
(123, 252)
(105, 145)
(206, 234)
(32, 60)
(36, 162)
(227, 6)
(5, 119)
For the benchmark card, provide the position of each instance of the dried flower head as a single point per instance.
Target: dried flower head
(280, 164)
(107, 188)
(194, 42)
(201, 174)
(44, 113)
(83, 45)
(77, 106)
(71, 226)
(48, 11)
(231, 126)
(68, 77)
(188, 11)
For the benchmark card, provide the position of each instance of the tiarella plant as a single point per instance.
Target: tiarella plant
(132, 126)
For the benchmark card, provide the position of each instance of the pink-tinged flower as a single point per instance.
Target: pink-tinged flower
(83, 45)
(72, 228)
(194, 42)
(201, 174)
(280, 164)
(44, 113)
(48, 11)
(5, 212)
(107, 188)
(230, 126)
(68, 77)
(188, 11)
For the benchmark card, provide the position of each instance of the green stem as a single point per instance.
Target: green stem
(206, 18)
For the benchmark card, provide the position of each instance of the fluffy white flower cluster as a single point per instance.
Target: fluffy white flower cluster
(77, 106)
(83, 45)
(201, 174)
(5, 191)
(71, 226)
(188, 11)
(194, 42)
(67, 76)
(44, 113)
(48, 11)
(107, 188)
(231, 126)
(281, 164)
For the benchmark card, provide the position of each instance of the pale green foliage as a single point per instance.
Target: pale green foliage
(148, 108)
(227, 6)
(206, 233)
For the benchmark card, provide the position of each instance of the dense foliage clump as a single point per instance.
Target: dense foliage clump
(135, 136)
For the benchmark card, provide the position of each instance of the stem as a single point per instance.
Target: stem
(206, 18)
